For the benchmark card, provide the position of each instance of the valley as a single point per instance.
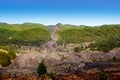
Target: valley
(64, 60)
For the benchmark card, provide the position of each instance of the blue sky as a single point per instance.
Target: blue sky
(77, 12)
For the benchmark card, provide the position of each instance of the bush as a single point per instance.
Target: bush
(6, 55)
(114, 59)
(103, 75)
(52, 75)
(41, 69)
(4, 59)
(11, 54)
(94, 60)
(78, 49)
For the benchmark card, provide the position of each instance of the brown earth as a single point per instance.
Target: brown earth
(113, 74)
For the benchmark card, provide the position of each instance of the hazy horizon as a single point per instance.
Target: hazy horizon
(50, 12)
(60, 23)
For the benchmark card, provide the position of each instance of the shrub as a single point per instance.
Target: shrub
(52, 75)
(4, 59)
(103, 75)
(41, 69)
(11, 54)
(78, 49)
(45, 77)
(94, 60)
(7, 53)
(114, 59)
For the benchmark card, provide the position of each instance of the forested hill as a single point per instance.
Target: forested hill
(102, 38)
(19, 27)
(23, 34)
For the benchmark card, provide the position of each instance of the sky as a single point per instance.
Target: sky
(50, 12)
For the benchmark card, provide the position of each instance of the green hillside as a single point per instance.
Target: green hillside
(23, 34)
(102, 38)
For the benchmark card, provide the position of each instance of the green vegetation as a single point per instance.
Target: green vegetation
(53, 75)
(102, 73)
(101, 38)
(67, 26)
(23, 34)
(20, 27)
(11, 54)
(4, 59)
(114, 59)
(78, 49)
(6, 55)
(41, 70)
(35, 36)
(94, 60)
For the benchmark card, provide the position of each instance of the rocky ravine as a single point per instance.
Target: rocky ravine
(56, 61)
